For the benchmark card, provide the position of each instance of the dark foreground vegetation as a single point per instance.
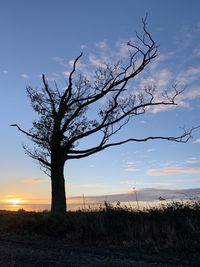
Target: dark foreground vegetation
(170, 232)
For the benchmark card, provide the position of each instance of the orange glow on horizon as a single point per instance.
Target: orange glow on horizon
(12, 200)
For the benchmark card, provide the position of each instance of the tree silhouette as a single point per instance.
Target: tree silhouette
(75, 114)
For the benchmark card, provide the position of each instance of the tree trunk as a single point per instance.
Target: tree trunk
(58, 197)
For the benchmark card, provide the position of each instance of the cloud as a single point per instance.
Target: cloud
(162, 108)
(79, 64)
(54, 76)
(83, 46)
(196, 52)
(192, 161)
(131, 167)
(5, 72)
(91, 165)
(164, 78)
(188, 76)
(24, 76)
(60, 61)
(127, 182)
(66, 73)
(189, 34)
(143, 195)
(9, 196)
(190, 94)
(108, 54)
(35, 180)
(97, 62)
(122, 50)
(161, 79)
(161, 58)
(173, 170)
(183, 100)
(151, 150)
(197, 140)
(102, 45)
(161, 72)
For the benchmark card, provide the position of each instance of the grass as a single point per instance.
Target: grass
(173, 225)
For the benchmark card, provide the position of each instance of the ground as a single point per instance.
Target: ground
(35, 251)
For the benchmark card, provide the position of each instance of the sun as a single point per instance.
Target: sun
(15, 201)
(12, 200)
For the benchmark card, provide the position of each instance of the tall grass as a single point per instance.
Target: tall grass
(172, 225)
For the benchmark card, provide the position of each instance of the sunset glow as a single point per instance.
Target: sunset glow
(12, 200)
(101, 30)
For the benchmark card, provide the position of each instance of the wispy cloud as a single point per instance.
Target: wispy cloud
(160, 79)
(97, 62)
(183, 100)
(189, 34)
(83, 46)
(35, 180)
(54, 76)
(161, 72)
(129, 182)
(24, 76)
(188, 76)
(173, 170)
(151, 149)
(61, 61)
(161, 58)
(102, 45)
(197, 140)
(191, 94)
(66, 73)
(196, 52)
(122, 51)
(192, 161)
(131, 167)
(79, 64)
(5, 72)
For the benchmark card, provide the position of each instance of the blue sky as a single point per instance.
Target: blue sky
(45, 36)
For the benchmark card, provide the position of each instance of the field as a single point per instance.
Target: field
(168, 235)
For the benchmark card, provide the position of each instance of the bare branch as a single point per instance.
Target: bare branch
(46, 87)
(68, 92)
(37, 156)
(77, 154)
(28, 134)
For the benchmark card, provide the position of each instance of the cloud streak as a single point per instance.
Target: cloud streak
(5, 72)
(35, 180)
(131, 167)
(173, 170)
(24, 76)
(143, 195)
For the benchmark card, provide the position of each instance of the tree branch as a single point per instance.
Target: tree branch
(28, 134)
(37, 156)
(77, 154)
(46, 87)
(68, 92)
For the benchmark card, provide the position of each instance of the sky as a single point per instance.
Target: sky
(45, 37)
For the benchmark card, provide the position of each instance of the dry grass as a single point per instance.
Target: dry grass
(174, 225)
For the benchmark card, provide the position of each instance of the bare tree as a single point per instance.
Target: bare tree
(65, 117)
